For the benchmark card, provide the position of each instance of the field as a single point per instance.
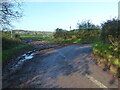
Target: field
(37, 37)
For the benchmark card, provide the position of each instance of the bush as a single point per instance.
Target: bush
(83, 34)
(109, 49)
(111, 32)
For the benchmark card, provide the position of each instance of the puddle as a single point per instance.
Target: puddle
(29, 57)
(21, 59)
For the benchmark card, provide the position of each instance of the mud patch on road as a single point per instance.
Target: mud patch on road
(41, 48)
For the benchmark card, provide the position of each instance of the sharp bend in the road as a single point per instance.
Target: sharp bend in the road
(67, 67)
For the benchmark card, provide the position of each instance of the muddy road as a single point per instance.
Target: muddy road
(65, 67)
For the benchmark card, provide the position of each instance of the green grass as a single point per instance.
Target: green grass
(74, 41)
(107, 52)
(50, 39)
(12, 46)
(12, 52)
(102, 49)
(31, 36)
(37, 37)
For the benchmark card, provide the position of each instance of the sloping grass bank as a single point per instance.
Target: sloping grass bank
(15, 51)
(12, 47)
(109, 56)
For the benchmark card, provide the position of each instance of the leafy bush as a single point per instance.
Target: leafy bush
(111, 32)
(109, 49)
(86, 31)
(83, 34)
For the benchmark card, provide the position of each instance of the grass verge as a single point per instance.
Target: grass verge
(15, 51)
(109, 56)
(74, 41)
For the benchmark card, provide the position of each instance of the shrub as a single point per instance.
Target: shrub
(83, 34)
(111, 32)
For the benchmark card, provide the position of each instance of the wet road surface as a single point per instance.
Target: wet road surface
(66, 67)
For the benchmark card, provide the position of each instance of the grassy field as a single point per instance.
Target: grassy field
(37, 37)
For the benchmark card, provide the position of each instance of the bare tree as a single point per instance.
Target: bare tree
(10, 10)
